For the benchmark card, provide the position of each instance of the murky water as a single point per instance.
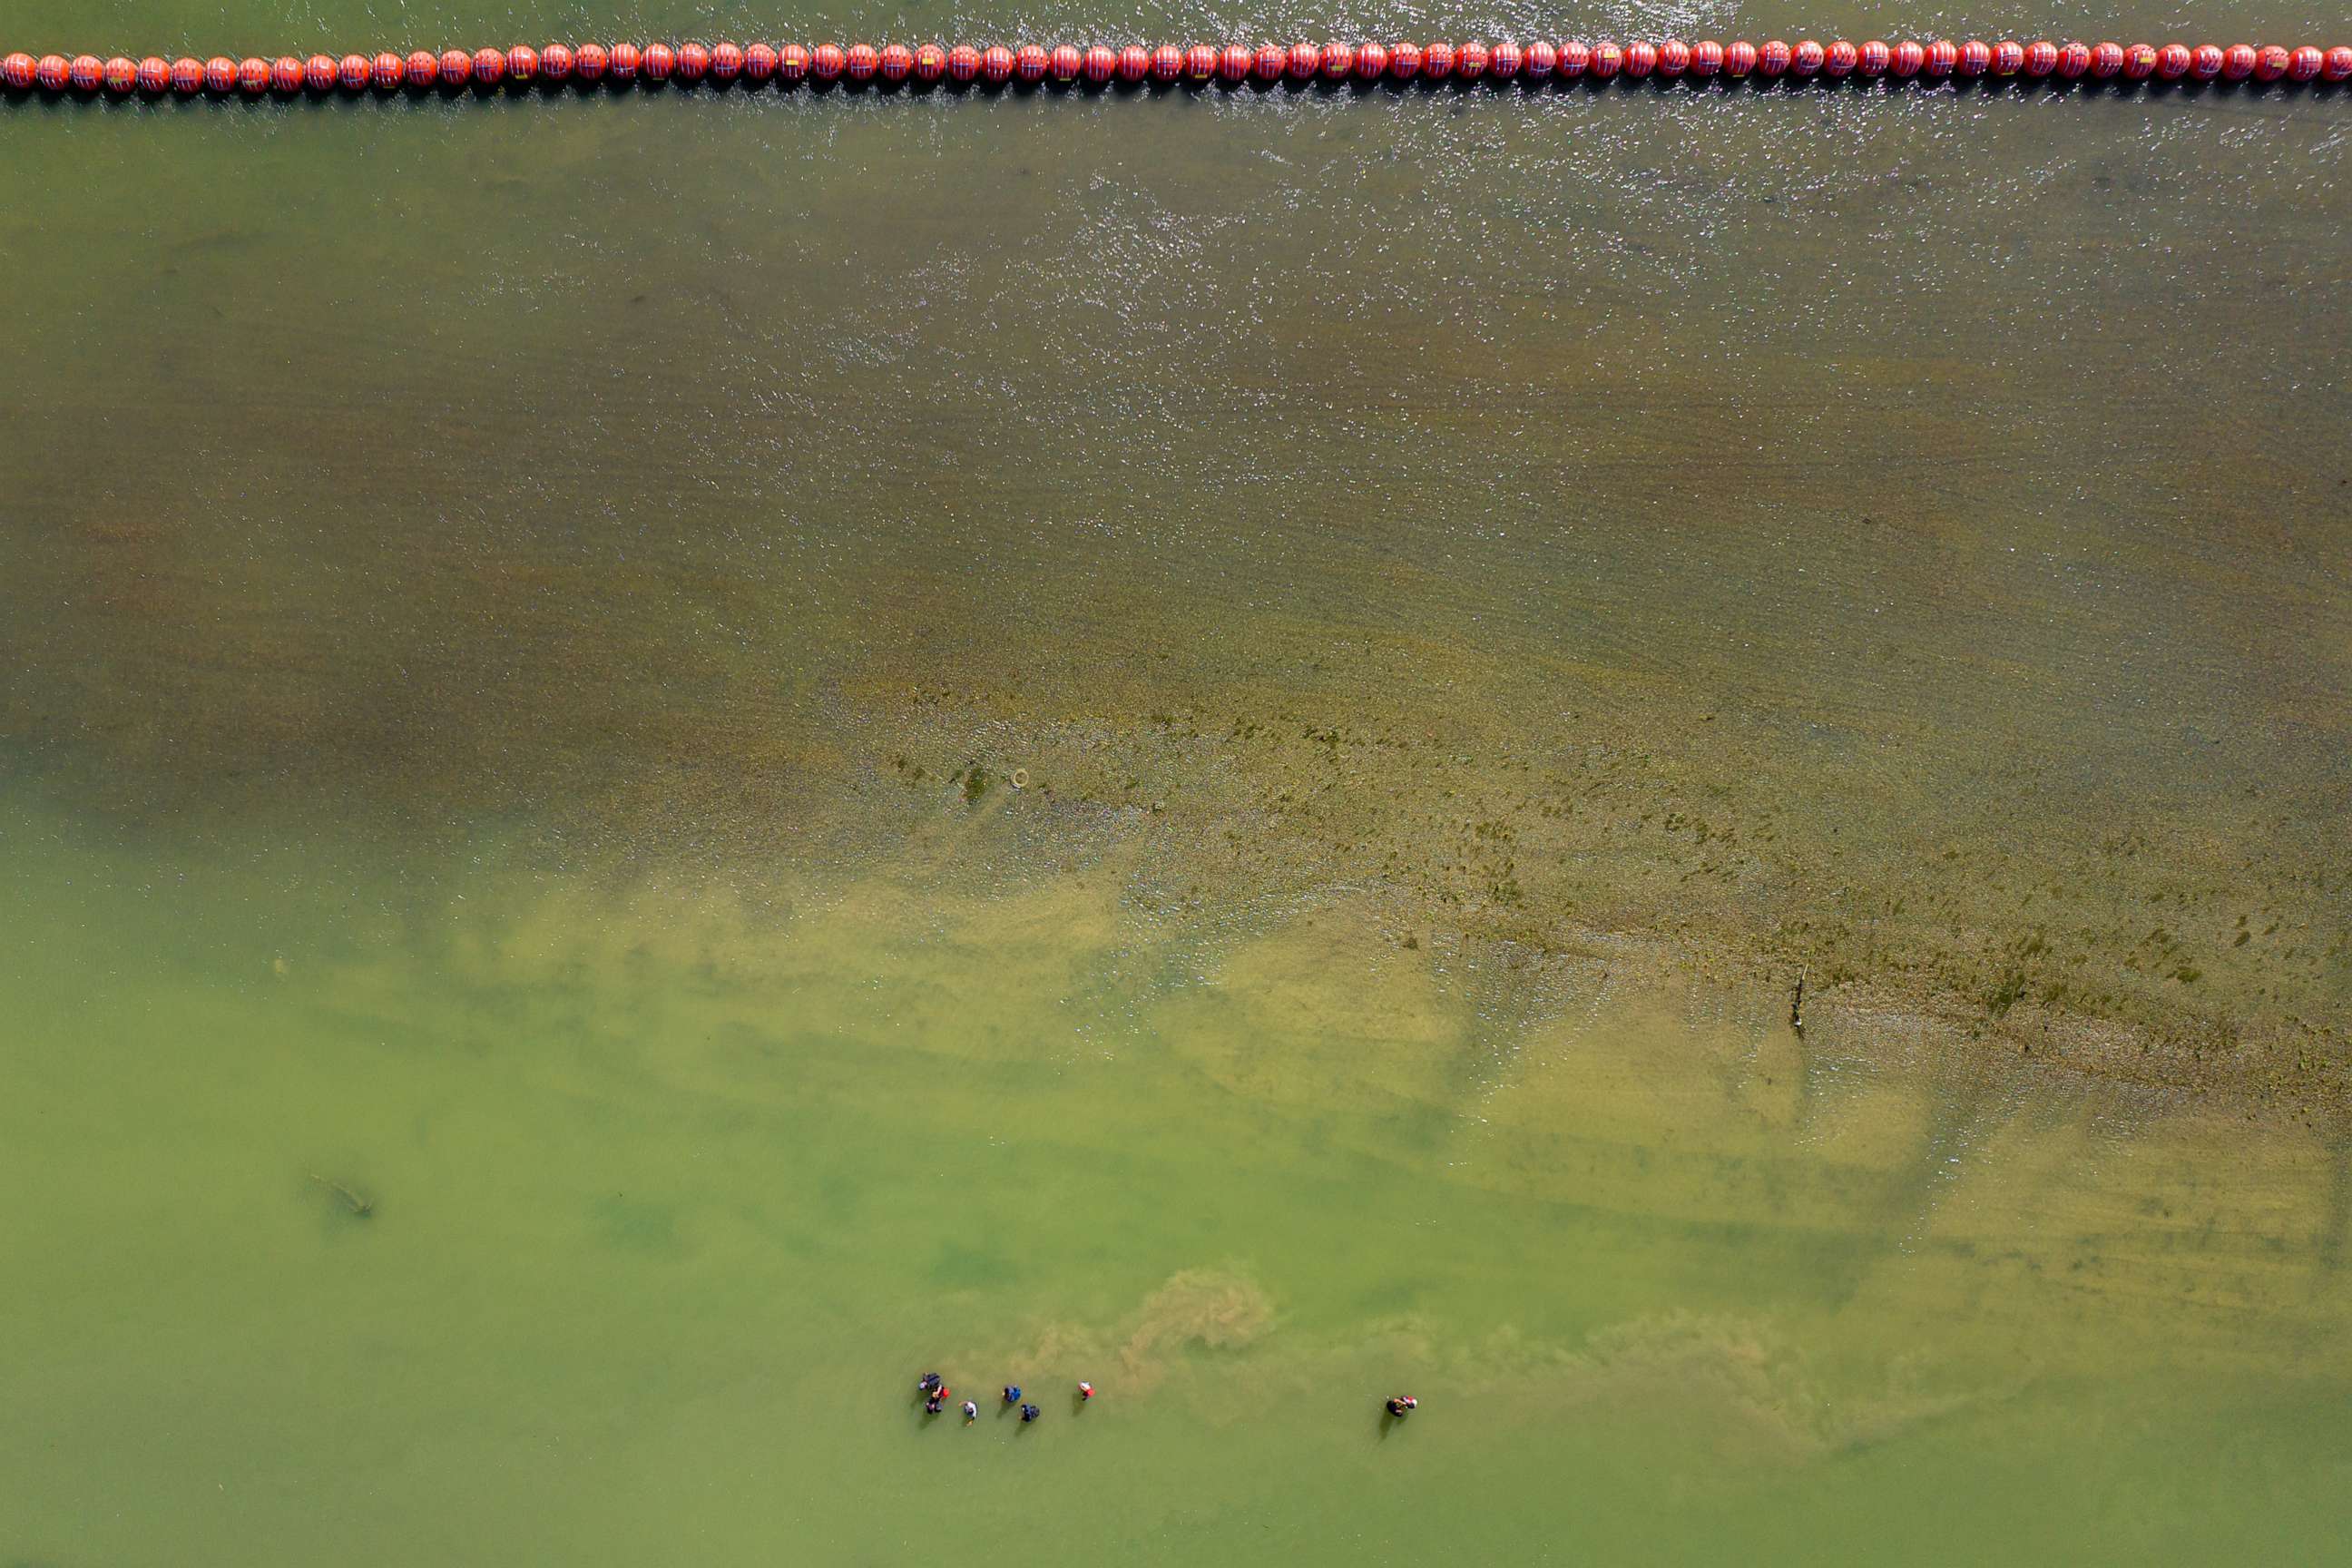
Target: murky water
(1191, 741)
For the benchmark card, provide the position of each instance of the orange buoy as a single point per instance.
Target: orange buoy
(1333, 62)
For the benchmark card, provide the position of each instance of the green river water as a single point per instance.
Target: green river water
(1193, 743)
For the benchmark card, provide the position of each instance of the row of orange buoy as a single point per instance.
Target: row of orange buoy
(1064, 65)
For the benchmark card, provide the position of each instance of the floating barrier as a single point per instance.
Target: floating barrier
(591, 67)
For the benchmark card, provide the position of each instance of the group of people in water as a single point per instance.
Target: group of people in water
(936, 1394)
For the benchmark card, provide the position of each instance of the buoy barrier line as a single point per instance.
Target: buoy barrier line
(598, 67)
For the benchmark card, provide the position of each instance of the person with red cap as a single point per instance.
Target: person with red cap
(1402, 1405)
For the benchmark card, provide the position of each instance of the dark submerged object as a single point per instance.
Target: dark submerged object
(361, 1206)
